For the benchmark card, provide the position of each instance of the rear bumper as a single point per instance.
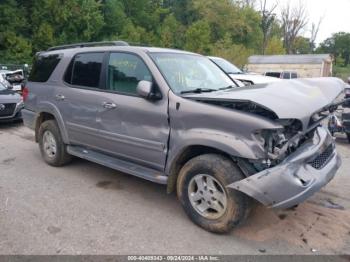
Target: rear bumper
(299, 176)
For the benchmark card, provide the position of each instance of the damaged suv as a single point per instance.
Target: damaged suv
(174, 118)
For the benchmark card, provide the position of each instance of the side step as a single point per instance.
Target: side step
(117, 164)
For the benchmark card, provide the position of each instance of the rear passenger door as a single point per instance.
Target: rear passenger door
(130, 126)
(78, 100)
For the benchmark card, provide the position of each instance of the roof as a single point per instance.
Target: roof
(108, 46)
(289, 59)
(114, 48)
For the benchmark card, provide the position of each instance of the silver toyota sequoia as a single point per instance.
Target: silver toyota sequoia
(175, 118)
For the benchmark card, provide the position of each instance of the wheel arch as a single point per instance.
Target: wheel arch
(184, 156)
(50, 113)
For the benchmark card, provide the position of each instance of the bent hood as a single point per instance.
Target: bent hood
(292, 99)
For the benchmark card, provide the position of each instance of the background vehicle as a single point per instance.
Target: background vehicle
(175, 118)
(282, 75)
(14, 79)
(347, 95)
(236, 74)
(10, 105)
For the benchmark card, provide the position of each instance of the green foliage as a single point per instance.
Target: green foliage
(301, 45)
(341, 72)
(275, 47)
(339, 46)
(236, 53)
(198, 37)
(222, 27)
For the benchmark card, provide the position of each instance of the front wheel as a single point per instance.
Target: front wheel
(201, 189)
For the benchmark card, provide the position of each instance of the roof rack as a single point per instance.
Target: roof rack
(89, 44)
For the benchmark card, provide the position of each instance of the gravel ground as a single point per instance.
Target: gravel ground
(84, 208)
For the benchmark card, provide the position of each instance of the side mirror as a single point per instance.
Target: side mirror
(144, 89)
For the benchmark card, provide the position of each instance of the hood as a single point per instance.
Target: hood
(9, 96)
(255, 79)
(293, 99)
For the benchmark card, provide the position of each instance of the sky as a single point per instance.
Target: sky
(336, 15)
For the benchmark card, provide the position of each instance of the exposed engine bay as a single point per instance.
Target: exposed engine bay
(282, 142)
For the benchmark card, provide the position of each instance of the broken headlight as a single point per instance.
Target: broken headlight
(279, 143)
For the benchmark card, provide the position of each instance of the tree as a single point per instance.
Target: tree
(301, 45)
(294, 19)
(198, 37)
(275, 47)
(171, 33)
(339, 46)
(314, 32)
(236, 53)
(226, 16)
(267, 21)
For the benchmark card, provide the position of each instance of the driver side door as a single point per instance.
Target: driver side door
(131, 127)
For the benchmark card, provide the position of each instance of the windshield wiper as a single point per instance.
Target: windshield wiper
(198, 90)
(227, 87)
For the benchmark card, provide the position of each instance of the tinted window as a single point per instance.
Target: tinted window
(85, 70)
(43, 67)
(125, 71)
(273, 74)
(286, 75)
(294, 75)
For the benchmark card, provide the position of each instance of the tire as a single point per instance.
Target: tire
(348, 135)
(223, 172)
(49, 129)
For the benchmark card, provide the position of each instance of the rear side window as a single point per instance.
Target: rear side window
(294, 75)
(85, 70)
(43, 67)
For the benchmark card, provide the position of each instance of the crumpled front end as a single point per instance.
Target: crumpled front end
(298, 176)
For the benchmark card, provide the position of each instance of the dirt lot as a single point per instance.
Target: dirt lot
(85, 208)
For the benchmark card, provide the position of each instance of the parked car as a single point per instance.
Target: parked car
(13, 79)
(3, 80)
(174, 118)
(236, 74)
(11, 105)
(282, 75)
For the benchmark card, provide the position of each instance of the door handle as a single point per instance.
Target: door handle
(60, 97)
(109, 105)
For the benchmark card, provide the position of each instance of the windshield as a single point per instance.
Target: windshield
(186, 72)
(226, 66)
(2, 87)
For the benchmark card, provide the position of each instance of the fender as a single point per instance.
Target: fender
(48, 107)
(227, 143)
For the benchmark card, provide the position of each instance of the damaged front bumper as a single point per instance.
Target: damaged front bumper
(299, 176)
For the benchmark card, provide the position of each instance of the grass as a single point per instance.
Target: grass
(341, 72)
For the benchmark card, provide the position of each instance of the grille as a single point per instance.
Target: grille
(7, 110)
(320, 161)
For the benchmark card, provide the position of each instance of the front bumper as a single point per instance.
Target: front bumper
(15, 116)
(299, 176)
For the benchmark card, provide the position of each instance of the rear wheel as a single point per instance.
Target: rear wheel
(201, 189)
(52, 148)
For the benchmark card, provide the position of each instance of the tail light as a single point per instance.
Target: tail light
(25, 93)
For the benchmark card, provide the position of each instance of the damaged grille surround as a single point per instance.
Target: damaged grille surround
(322, 159)
(296, 178)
